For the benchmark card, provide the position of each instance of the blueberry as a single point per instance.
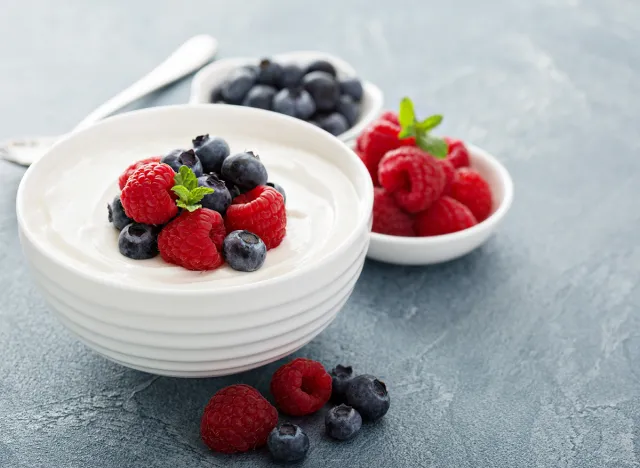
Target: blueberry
(117, 216)
(291, 76)
(288, 443)
(260, 96)
(349, 108)
(294, 102)
(244, 251)
(341, 376)
(211, 151)
(323, 66)
(216, 95)
(220, 199)
(352, 87)
(279, 188)
(178, 158)
(244, 170)
(368, 396)
(333, 123)
(269, 73)
(342, 422)
(138, 241)
(324, 89)
(237, 85)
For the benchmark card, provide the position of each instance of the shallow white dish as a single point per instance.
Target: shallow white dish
(214, 74)
(166, 320)
(438, 249)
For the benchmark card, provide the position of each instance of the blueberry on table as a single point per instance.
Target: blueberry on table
(369, 396)
(352, 87)
(323, 66)
(291, 76)
(324, 89)
(117, 216)
(333, 123)
(342, 422)
(220, 199)
(260, 96)
(341, 377)
(279, 188)
(178, 158)
(244, 251)
(138, 241)
(269, 73)
(237, 85)
(211, 151)
(244, 170)
(288, 443)
(349, 108)
(294, 102)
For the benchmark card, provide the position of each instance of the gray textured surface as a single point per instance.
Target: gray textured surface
(523, 354)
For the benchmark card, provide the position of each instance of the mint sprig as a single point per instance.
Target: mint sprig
(411, 127)
(186, 187)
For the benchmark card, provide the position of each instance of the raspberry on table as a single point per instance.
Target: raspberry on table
(301, 387)
(260, 211)
(237, 419)
(415, 178)
(122, 180)
(194, 240)
(147, 197)
(470, 189)
(445, 216)
(457, 153)
(388, 217)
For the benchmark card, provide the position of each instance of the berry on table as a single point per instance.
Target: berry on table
(342, 422)
(388, 217)
(470, 189)
(413, 176)
(334, 123)
(138, 241)
(147, 197)
(260, 96)
(288, 443)
(445, 216)
(340, 377)
(260, 211)
(279, 188)
(369, 396)
(237, 419)
(211, 151)
(244, 170)
(457, 153)
(291, 76)
(122, 180)
(269, 72)
(294, 102)
(178, 158)
(117, 216)
(349, 109)
(244, 251)
(220, 199)
(237, 85)
(301, 387)
(323, 66)
(324, 89)
(352, 87)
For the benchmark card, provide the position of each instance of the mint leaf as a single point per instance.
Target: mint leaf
(181, 191)
(407, 115)
(186, 187)
(186, 177)
(435, 146)
(198, 194)
(188, 207)
(406, 132)
(430, 123)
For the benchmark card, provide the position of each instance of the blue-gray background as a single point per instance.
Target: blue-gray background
(523, 354)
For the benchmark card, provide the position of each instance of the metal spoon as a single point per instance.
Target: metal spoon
(189, 57)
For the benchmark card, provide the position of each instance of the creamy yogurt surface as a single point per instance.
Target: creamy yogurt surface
(69, 214)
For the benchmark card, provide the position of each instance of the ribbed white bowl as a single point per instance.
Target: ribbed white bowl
(169, 331)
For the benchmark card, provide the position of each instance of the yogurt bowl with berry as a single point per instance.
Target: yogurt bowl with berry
(186, 310)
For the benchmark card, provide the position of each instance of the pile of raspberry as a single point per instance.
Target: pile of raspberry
(199, 208)
(238, 418)
(423, 185)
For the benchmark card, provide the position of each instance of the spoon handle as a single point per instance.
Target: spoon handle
(186, 59)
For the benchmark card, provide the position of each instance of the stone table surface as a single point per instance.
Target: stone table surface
(525, 353)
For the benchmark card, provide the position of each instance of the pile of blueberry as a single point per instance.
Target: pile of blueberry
(313, 93)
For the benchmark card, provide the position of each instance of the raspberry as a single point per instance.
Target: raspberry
(260, 211)
(388, 218)
(446, 215)
(470, 189)
(415, 178)
(237, 419)
(194, 240)
(449, 174)
(301, 387)
(390, 116)
(147, 197)
(122, 180)
(377, 140)
(457, 153)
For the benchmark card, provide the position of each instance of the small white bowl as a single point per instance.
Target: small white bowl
(438, 249)
(163, 319)
(214, 74)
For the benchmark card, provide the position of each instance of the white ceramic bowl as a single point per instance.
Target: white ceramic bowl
(193, 329)
(437, 249)
(214, 74)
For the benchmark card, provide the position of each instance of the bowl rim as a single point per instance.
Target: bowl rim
(434, 241)
(366, 206)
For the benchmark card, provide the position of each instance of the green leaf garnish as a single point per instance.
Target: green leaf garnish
(186, 187)
(411, 127)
